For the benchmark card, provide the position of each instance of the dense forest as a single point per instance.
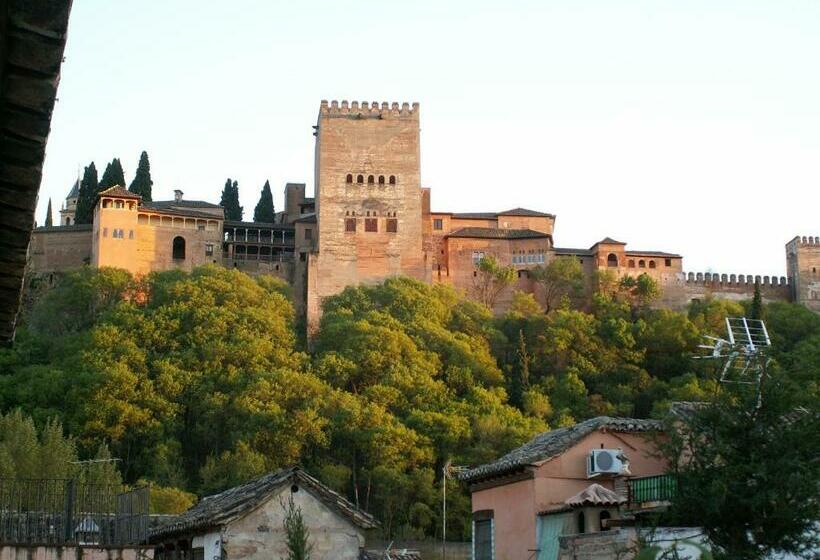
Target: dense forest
(200, 381)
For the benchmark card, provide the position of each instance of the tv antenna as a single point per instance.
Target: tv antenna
(744, 352)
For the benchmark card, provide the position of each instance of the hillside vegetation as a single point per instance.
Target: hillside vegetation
(200, 381)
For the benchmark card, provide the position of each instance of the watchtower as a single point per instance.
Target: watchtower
(803, 268)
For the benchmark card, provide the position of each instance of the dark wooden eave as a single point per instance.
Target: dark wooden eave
(32, 41)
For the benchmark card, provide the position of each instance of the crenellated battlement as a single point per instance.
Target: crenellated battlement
(804, 241)
(732, 280)
(369, 110)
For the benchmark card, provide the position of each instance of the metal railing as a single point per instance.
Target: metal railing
(646, 489)
(65, 511)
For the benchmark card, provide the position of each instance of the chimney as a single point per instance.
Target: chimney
(177, 195)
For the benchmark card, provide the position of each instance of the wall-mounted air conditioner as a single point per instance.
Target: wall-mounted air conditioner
(605, 462)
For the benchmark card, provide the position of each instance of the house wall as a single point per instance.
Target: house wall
(516, 505)
(259, 535)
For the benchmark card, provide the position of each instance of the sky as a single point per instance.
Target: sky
(685, 126)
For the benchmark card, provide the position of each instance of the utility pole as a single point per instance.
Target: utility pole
(447, 471)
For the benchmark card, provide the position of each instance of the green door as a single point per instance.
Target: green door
(548, 529)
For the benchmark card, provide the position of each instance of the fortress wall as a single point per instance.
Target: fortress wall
(803, 263)
(687, 286)
(60, 248)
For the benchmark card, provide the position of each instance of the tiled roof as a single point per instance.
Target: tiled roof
(475, 215)
(637, 253)
(220, 509)
(308, 219)
(595, 495)
(119, 191)
(609, 241)
(568, 251)
(547, 445)
(526, 212)
(496, 233)
(162, 204)
(189, 212)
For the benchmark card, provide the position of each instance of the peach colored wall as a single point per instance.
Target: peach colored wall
(113, 251)
(535, 223)
(516, 505)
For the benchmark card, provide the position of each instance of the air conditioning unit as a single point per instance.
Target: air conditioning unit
(606, 462)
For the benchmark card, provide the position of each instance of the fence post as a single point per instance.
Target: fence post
(68, 517)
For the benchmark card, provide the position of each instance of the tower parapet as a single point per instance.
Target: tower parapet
(369, 110)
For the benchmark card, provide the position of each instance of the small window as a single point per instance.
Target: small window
(178, 248)
(371, 224)
(381, 179)
(651, 264)
(370, 179)
(477, 256)
(392, 180)
(350, 225)
(200, 227)
(119, 204)
(641, 263)
(438, 224)
(631, 263)
(392, 225)
(360, 179)
(308, 234)
(612, 260)
(582, 524)
(209, 250)
(667, 262)
(349, 178)
(130, 234)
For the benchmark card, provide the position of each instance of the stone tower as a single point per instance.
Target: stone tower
(803, 265)
(368, 198)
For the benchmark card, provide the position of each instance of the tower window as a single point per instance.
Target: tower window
(381, 179)
(350, 225)
(612, 260)
(209, 249)
(631, 263)
(641, 263)
(392, 225)
(349, 178)
(360, 179)
(438, 224)
(371, 224)
(392, 179)
(370, 179)
(178, 248)
(651, 264)
(668, 262)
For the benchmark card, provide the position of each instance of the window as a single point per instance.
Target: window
(68, 221)
(667, 262)
(612, 260)
(651, 264)
(477, 256)
(483, 540)
(371, 224)
(370, 179)
(392, 180)
(582, 525)
(303, 257)
(308, 234)
(603, 517)
(438, 224)
(130, 234)
(381, 179)
(200, 227)
(392, 225)
(349, 178)
(119, 204)
(641, 263)
(360, 179)
(178, 248)
(631, 263)
(209, 249)
(350, 225)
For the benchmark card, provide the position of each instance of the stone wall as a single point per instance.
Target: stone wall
(803, 262)
(685, 287)
(57, 249)
(32, 552)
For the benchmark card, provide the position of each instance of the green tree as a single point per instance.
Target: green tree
(87, 196)
(520, 382)
(49, 216)
(112, 176)
(738, 454)
(167, 500)
(264, 211)
(297, 535)
(561, 278)
(142, 182)
(491, 279)
(26, 452)
(230, 201)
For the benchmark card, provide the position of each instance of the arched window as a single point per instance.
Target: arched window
(641, 263)
(179, 247)
(604, 516)
(582, 525)
(360, 179)
(349, 178)
(612, 260)
(370, 179)
(631, 263)
(651, 264)
(381, 179)
(68, 221)
(392, 180)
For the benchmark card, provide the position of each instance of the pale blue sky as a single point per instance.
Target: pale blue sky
(688, 126)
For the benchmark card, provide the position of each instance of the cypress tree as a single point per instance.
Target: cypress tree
(142, 182)
(112, 176)
(230, 201)
(264, 211)
(49, 222)
(756, 311)
(87, 196)
(520, 382)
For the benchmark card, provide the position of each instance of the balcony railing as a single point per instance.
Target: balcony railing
(648, 489)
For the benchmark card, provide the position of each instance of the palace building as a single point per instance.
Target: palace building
(371, 219)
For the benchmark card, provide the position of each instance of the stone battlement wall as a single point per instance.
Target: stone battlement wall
(804, 241)
(373, 110)
(739, 280)
(687, 286)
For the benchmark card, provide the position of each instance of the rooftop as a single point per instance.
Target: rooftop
(161, 204)
(119, 191)
(498, 233)
(220, 509)
(548, 445)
